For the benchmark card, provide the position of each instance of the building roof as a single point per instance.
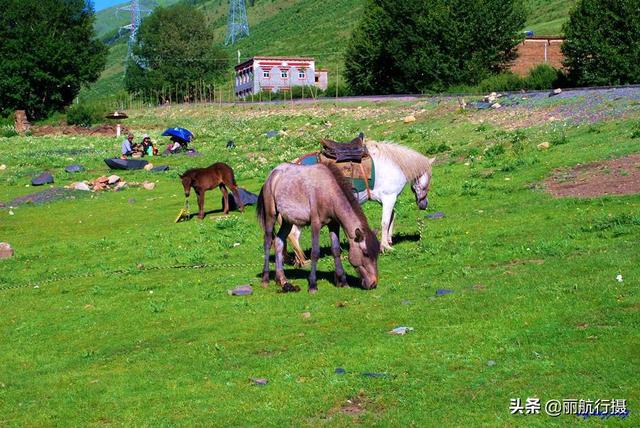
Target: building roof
(545, 38)
(273, 58)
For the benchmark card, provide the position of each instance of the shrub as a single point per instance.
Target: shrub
(343, 90)
(542, 76)
(7, 131)
(501, 82)
(84, 114)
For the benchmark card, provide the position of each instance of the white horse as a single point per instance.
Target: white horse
(395, 165)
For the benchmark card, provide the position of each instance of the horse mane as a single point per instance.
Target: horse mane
(345, 186)
(411, 163)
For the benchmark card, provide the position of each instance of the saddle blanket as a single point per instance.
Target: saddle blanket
(352, 170)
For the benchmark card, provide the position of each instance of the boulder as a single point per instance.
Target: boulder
(149, 185)
(409, 119)
(80, 185)
(44, 178)
(544, 146)
(555, 92)
(241, 290)
(3, 167)
(74, 168)
(148, 167)
(5, 250)
(113, 179)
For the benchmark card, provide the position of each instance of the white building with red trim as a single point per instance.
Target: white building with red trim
(276, 73)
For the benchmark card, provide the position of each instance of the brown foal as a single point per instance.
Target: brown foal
(202, 179)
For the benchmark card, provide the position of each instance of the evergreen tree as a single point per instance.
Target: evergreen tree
(601, 46)
(427, 45)
(47, 51)
(174, 51)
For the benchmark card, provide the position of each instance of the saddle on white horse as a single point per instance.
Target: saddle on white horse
(351, 158)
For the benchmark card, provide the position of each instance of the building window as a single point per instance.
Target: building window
(284, 74)
(317, 79)
(301, 75)
(265, 74)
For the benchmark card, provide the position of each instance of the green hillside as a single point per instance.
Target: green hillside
(293, 27)
(546, 17)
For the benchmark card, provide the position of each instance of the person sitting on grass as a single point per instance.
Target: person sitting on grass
(176, 145)
(127, 148)
(147, 146)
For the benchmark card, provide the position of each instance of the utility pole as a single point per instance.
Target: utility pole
(237, 23)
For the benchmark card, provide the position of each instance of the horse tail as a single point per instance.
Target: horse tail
(260, 209)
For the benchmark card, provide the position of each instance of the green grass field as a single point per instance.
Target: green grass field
(112, 314)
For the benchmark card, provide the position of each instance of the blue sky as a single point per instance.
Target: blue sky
(103, 4)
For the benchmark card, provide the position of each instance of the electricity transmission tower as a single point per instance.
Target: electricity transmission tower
(237, 24)
(136, 11)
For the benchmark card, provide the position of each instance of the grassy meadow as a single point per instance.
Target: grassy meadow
(112, 314)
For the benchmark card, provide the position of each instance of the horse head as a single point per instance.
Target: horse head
(364, 249)
(186, 183)
(420, 188)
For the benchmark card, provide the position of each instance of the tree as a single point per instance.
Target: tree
(601, 46)
(47, 51)
(427, 45)
(174, 52)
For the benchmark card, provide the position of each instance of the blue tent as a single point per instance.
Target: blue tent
(181, 133)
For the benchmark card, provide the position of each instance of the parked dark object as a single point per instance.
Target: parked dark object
(443, 291)
(340, 371)
(272, 134)
(246, 197)
(74, 168)
(160, 168)
(231, 144)
(117, 163)
(44, 178)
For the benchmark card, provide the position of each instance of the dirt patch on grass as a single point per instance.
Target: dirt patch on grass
(615, 177)
(108, 130)
(43, 197)
(353, 406)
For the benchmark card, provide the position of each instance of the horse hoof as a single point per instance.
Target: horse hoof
(290, 288)
(313, 290)
(265, 284)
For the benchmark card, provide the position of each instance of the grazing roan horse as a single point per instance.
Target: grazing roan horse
(202, 179)
(317, 195)
(395, 165)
